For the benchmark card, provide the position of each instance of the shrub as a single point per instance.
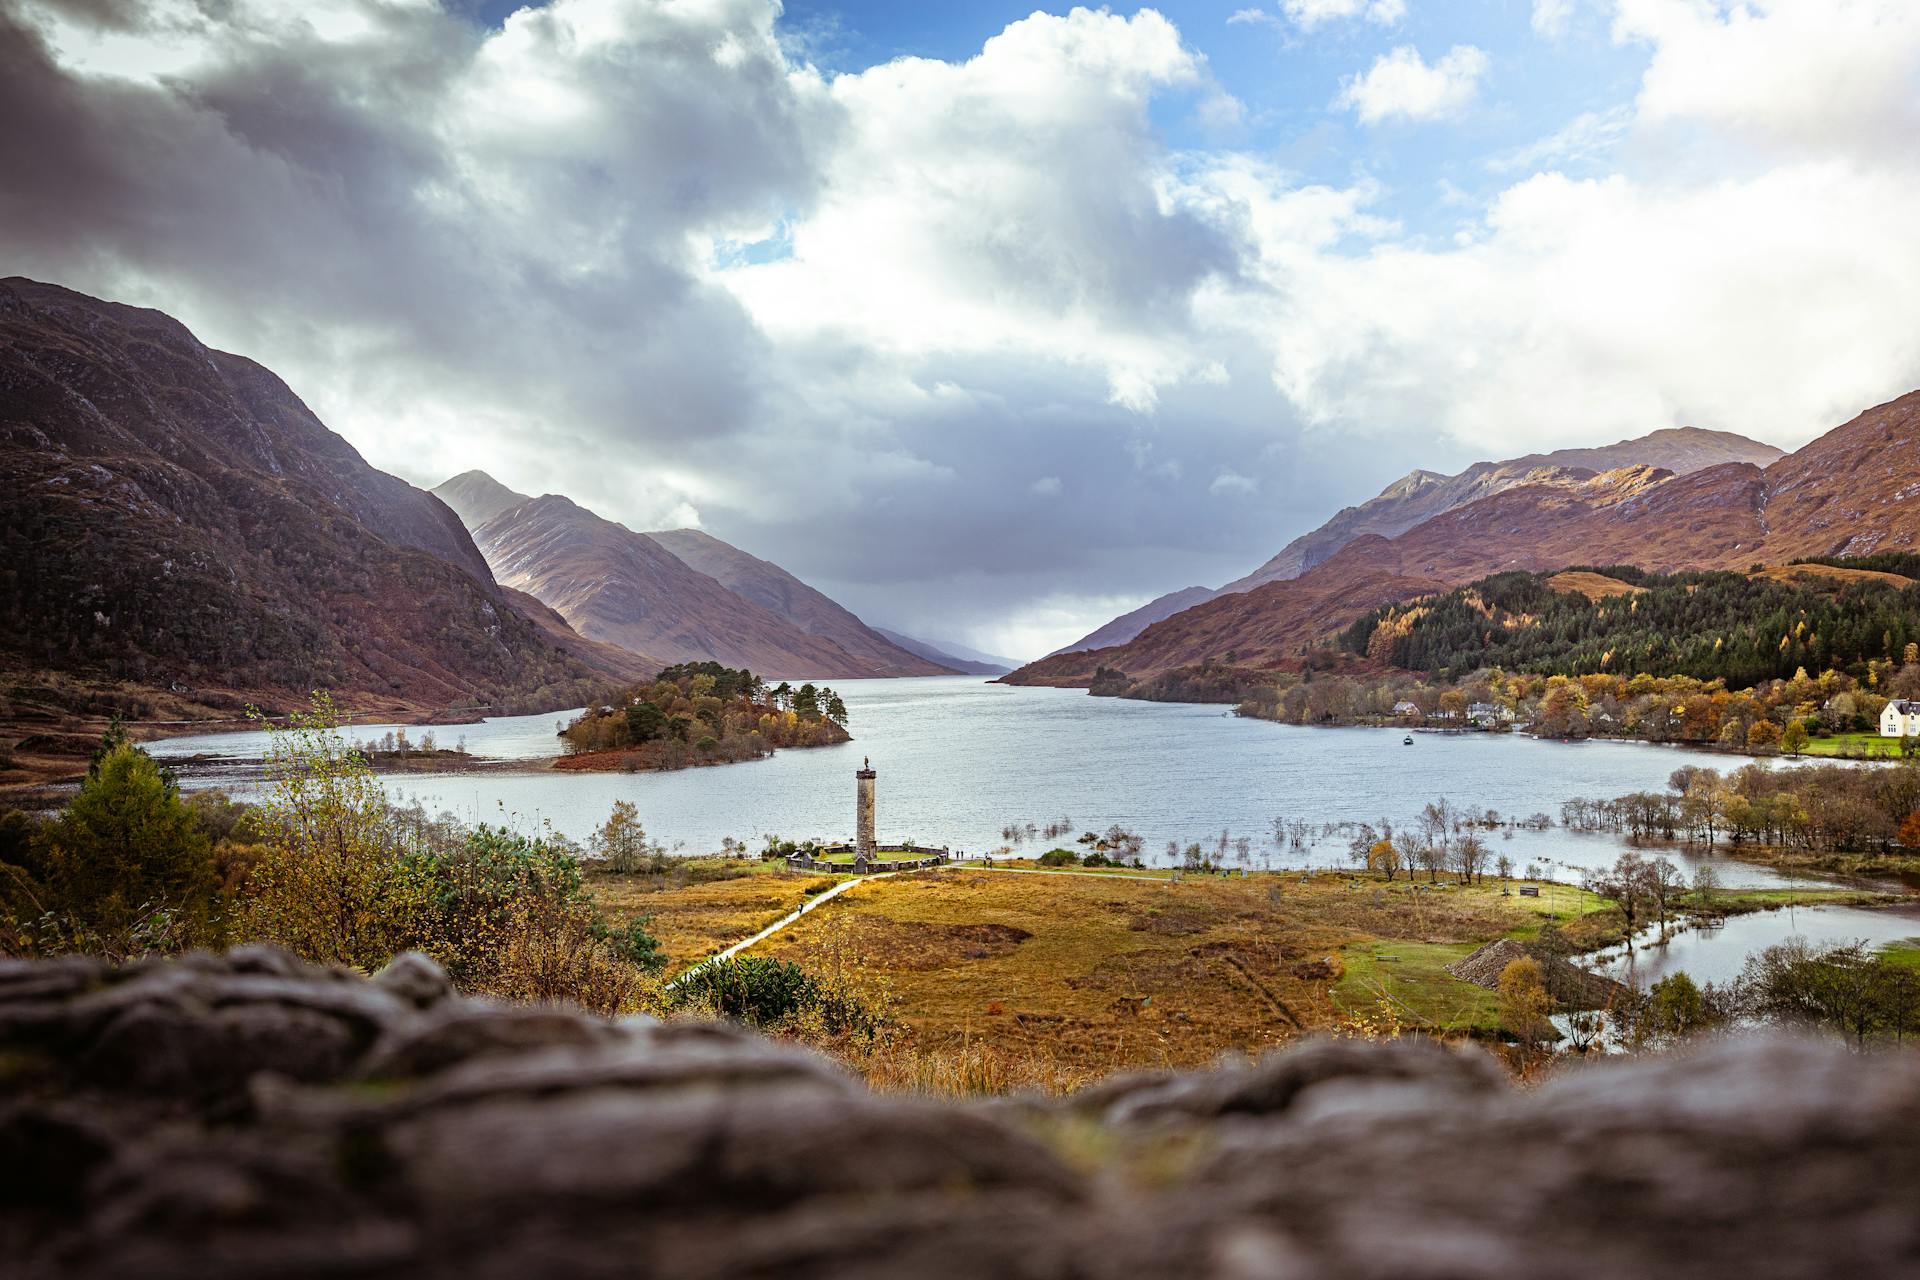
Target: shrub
(779, 995)
(757, 990)
(1060, 858)
(127, 867)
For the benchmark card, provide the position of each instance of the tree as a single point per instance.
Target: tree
(1629, 882)
(1384, 857)
(336, 883)
(127, 862)
(1706, 883)
(1524, 1002)
(622, 840)
(1910, 830)
(1664, 881)
(1470, 855)
(1675, 1007)
(1793, 739)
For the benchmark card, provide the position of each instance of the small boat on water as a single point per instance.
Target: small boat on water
(1407, 741)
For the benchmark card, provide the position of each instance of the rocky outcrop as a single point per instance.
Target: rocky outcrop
(251, 1116)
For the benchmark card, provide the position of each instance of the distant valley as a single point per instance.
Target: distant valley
(184, 538)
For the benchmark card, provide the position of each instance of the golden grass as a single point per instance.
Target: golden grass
(1594, 586)
(1796, 572)
(704, 904)
(1005, 980)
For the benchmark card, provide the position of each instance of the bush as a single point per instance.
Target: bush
(757, 990)
(126, 868)
(1062, 858)
(776, 995)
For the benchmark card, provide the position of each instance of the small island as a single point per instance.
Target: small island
(700, 713)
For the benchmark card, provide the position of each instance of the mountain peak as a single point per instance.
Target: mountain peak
(477, 497)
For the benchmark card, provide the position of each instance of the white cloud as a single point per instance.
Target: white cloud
(1551, 18)
(1233, 483)
(1308, 14)
(1012, 203)
(1589, 137)
(1400, 83)
(1045, 487)
(1253, 17)
(1815, 74)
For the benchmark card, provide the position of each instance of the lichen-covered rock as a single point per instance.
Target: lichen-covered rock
(247, 1115)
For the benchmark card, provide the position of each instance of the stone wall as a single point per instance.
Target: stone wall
(250, 1116)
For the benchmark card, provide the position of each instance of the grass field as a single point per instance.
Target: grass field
(1906, 952)
(1094, 973)
(1870, 745)
(704, 904)
(1004, 978)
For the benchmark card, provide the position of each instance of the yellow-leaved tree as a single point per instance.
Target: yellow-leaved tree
(337, 882)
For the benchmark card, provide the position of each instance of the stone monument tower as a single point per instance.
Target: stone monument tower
(863, 812)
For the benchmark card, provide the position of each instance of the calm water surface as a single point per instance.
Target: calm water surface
(959, 759)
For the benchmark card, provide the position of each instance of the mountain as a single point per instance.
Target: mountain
(978, 664)
(1128, 625)
(477, 497)
(1422, 495)
(773, 588)
(175, 518)
(624, 588)
(1850, 492)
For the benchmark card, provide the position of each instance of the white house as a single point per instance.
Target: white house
(1486, 713)
(1900, 720)
(1405, 708)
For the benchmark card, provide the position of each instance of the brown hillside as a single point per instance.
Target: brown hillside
(175, 516)
(776, 590)
(1423, 495)
(623, 588)
(1854, 490)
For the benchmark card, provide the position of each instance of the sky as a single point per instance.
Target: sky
(990, 321)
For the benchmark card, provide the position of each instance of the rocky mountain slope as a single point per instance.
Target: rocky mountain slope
(1422, 495)
(1128, 625)
(624, 588)
(477, 497)
(1849, 492)
(773, 588)
(176, 518)
(246, 1115)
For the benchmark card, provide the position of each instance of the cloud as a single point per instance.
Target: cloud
(1308, 14)
(1588, 138)
(1814, 75)
(1253, 17)
(647, 254)
(1551, 18)
(1233, 483)
(1401, 84)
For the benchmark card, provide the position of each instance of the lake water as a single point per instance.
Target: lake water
(959, 759)
(1716, 955)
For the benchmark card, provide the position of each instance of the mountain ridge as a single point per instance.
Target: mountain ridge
(177, 519)
(1852, 491)
(1421, 495)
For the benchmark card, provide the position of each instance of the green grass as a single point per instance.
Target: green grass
(1412, 978)
(1905, 952)
(1850, 744)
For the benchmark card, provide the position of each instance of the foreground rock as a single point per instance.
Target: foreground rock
(252, 1116)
